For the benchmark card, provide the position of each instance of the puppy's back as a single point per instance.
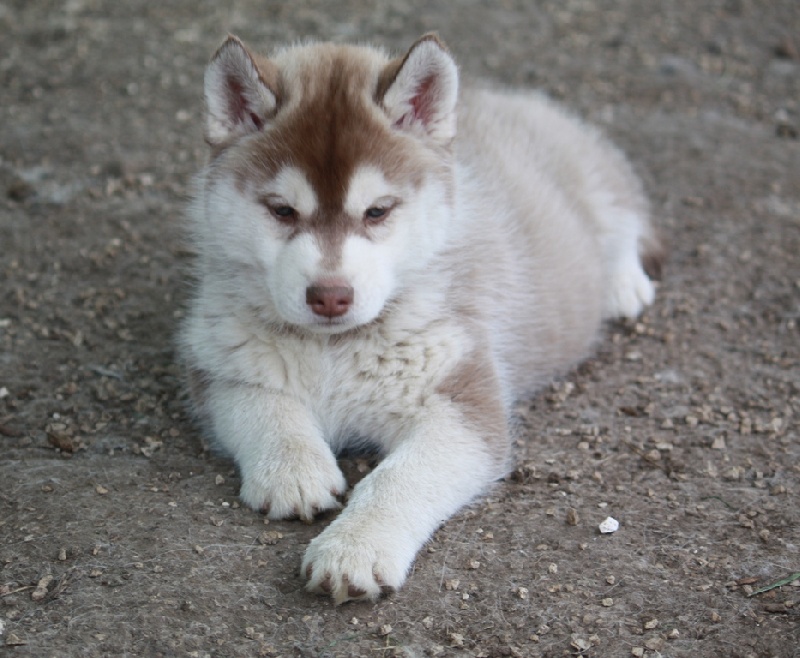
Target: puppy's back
(542, 194)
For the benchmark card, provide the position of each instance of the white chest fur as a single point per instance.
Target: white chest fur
(353, 385)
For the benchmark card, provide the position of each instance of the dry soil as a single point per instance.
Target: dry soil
(120, 533)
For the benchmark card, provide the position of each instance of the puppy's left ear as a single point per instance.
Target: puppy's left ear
(419, 92)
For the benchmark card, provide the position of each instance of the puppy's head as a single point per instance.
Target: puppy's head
(330, 183)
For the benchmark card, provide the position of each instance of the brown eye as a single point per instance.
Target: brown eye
(284, 212)
(280, 211)
(376, 214)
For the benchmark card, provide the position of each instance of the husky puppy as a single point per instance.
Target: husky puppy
(383, 258)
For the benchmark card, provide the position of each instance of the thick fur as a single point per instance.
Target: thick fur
(482, 236)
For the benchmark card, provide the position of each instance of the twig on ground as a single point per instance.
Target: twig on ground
(780, 583)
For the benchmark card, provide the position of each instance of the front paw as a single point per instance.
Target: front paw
(300, 484)
(352, 562)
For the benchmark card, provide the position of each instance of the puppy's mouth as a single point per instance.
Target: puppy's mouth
(334, 324)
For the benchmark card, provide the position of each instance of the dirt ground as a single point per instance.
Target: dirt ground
(120, 533)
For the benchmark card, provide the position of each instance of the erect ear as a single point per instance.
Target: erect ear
(240, 94)
(419, 92)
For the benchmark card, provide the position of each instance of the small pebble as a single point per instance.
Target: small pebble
(41, 588)
(654, 643)
(609, 525)
(270, 537)
(581, 644)
(572, 516)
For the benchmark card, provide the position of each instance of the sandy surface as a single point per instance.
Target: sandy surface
(120, 535)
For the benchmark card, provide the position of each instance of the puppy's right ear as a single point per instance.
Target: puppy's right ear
(240, 94)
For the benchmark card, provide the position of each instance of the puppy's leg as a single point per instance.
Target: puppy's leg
(445, 456)
(286, 466)
(627, 249)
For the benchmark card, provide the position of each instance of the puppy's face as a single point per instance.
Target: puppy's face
(320, 195)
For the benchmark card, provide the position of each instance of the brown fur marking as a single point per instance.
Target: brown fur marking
(387, 77)
(475, 389)
(329, 126)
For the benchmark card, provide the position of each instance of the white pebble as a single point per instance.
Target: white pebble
(609, 525)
